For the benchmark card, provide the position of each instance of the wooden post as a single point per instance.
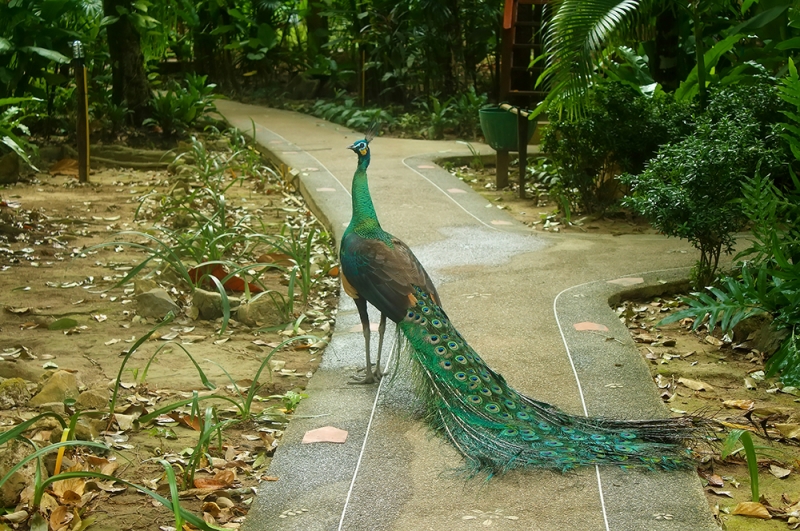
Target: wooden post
(501, 173)
(82, 110)
(522, 149)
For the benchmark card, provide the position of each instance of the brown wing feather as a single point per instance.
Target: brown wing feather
(383, 275)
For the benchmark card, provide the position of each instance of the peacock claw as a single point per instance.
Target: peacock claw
(374, 376)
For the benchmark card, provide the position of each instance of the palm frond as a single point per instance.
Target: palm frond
(575, 34)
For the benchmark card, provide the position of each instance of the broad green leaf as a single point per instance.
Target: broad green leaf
(64, 323)
(47, 54)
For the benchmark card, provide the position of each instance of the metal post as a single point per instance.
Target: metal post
(82, 111)
(522, 149)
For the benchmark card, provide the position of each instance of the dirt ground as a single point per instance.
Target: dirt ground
(49, 274)
(697, 372)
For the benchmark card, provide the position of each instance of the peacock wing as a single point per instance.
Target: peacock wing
(384, 274)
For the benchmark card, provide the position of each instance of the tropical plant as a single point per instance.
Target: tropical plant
(769, 283)
(11, 128)
(691, 42)
(620, 130)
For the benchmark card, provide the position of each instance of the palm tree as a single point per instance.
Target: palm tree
(578, 31)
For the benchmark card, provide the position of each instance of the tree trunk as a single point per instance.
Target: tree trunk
(665, 67)
(127, 63)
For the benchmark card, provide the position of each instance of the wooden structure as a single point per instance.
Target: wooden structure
(522, 43)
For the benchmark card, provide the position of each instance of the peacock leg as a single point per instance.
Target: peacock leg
(369, 377)
(381, 329)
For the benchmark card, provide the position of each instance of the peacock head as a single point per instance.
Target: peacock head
(361, 147)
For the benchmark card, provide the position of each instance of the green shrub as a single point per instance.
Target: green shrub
(619, 132)
(769, 282)
(177, 108)
(693, 188)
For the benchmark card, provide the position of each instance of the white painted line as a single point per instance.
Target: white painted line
(578, 380)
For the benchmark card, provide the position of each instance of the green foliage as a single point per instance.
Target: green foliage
(176, 109)
(11, 127)
(693, 188)
(770, 281)
(619, 132)
(343, 110)
(438, 116)
(729, 447)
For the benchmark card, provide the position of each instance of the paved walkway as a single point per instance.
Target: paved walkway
(516, 297)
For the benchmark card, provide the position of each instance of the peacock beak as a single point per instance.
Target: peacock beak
(352, 147)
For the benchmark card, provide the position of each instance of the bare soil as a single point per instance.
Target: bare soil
(49, 272)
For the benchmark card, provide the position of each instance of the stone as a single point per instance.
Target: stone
(9, 168)
(13, 393)
(89, 429)
(143, 285)
(11, 454)
(259, 312)
(209, 303)
(155, 303)
(60, 386)
(95, 398)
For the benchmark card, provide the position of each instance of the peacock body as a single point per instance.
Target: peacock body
(493, 426)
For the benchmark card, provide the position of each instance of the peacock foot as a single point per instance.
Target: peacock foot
(372, 376)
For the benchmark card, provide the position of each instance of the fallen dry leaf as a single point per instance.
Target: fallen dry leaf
(789, 431)
(720, 492)
(779, 472)
(695, 385)
(752, 509)
(739, 404)
(222, 479)
(64, 167)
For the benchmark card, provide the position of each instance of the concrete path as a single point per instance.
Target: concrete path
(515, 296)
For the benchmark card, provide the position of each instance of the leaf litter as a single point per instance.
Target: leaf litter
(723, 377)
(52, 228)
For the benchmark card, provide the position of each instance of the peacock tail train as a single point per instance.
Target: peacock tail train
(497, 429)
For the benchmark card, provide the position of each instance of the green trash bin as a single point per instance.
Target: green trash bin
(500, 128)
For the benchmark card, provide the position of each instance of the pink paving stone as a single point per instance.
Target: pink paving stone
(586, 325)
(326, 189)
(627, 281)
(456, 191)
(500, 222)
(426, 167)
(290, 152)
(326, 434)
(276, 141)
(311, 169)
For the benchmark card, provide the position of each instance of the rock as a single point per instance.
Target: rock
(13, 393)
(89, 429)
(209, 303)
(55, 407)
(259, 312)
(96, 398)
(13, 453)
(9, 168)
(60, 386)
(143, 285)
(768, 340)
(16, 369)
(746, 329)
(155, 303)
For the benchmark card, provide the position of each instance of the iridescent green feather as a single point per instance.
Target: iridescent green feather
(496, 428)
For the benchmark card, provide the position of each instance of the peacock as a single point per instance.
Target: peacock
(493, 426)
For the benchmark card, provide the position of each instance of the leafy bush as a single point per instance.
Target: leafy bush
(177, 109)
(693, 188)
(620, 131)
(343, 110)
(11, 126)
(770, 282)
